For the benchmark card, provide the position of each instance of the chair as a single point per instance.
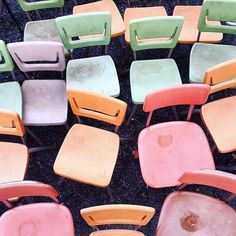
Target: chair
(37, 5)
(219, 116)
(89, 160)
(204, 56)
(44, 218)
(117, 23)
(167, 150)
(117, 214)
(149, 75)
(187, 213)
(6, 64)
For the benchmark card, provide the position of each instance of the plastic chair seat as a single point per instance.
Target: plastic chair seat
(43, 30)
(204, 56)
(140, 12)
(219, 117)
(168, 150)
(117, 26)
(97, 74)
(186, 213)
(85, 156)
(149, 75)
(189, 32)
(42, 219)
(115, 232)
(13, 161)
(11, 97)
(45, 102)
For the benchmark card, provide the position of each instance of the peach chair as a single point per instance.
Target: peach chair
(90, 161)
(117, 214)
(44, 218)
(219, 116)
(44, 101)
(169, 149)
(189, 213)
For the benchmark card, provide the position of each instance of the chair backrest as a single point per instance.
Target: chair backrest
(26, 189)
(36, 5)
(117, 214)
(38, 56)
(217, 10)
(11, 123)
(84, 30)
(97, 106)
(6, 63)
(155, 32)
(221, 76)
(213, 178)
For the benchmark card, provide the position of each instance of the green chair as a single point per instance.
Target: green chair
(204, 56)
(6, 64)
(37, 5)
(149, 75)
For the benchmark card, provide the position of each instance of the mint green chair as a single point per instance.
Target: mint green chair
(6, 64)
(149, 75)
(204, 56)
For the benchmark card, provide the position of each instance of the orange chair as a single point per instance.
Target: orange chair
(84, 155)
(169, 149)
(37, 218)
(188, 213)
(219, 116)
(117, 214)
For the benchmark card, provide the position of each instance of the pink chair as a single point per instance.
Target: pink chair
(188, 213)
(169, 149)
(42, 219)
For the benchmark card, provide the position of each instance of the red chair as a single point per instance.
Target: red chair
(42, 219)
(168, 150)
(188, 213)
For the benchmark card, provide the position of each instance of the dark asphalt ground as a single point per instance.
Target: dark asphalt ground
(127, 184)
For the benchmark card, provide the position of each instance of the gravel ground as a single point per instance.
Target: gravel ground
(127, 184)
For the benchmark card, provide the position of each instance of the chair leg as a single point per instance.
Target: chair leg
(75, 2)
(131, 114)
(67, 126)
(62, 11)
(170, 52)
(32, 134)
(28, 16)
(128, 1)
(38, 15)
(26, 75)
(175, 113)
(106, 50)
(13, 75)
(110, 194)
(40, 149)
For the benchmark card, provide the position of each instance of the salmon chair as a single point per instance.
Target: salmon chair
(117, 23)
(6, 63)
(219, 116)
(83, 156)
(189, 213)
(169, 149)
(149, 75)
(117, 214)
(203, 55)
(44, 218)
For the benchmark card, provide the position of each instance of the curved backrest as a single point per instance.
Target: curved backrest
(217, 10)
(36, 5)
(11, 123)
(26, 189)
(186, 94)
(86, 29)
(213, 178)
(155, 32)
(38, 56)
(97, 106)
(6, 63)
(221, 76)
(117, 214)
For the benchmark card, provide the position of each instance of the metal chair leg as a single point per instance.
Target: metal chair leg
(40, 149)
(131, 114)
(28, 16)
(175, 113)
(75, 2)
(38, 15)
(110, 194)
(32, 134)
(13, 75)
(106, 50)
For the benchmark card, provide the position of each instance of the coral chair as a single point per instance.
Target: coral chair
(42, 218)
(90, 161)
(219, 116)
(117, 214)
(169, 149)
(6, 60)
(149, 75)
(189, 213)
(117, 23)
(204, 56)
